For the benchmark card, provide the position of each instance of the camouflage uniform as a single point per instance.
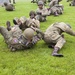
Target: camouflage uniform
(41, 14)
(32, 22)
(53, 36)
(55, 7)
(9, 7)
(53, 2)
(15, 39)
(72, 3)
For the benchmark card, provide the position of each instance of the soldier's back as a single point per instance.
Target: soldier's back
(9, 7)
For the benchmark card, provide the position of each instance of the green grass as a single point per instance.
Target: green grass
(38, 60)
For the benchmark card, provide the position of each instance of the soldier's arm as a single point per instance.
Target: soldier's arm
(38, 31)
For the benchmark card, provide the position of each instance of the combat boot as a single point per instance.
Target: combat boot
(55, 52)
(8, 25)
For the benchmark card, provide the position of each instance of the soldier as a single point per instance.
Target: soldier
(9, 7)
(55, 8)
(41, 12)
(16, 40)
(54, 38)
(32, 21)
(13, 1)
(72, 3)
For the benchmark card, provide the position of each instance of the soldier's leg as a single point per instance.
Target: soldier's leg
(8, 25)
(60, 42)
(70, 31)
(39, 17)
(5, 33)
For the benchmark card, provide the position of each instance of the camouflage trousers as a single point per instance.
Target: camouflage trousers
(5, 33)
(41, 18)
(59, 41)
(9, 40)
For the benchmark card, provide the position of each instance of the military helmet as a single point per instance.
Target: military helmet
(5, 3)
(32, 12)
(15, 20)
(28, 33)
(40, 3)
(23, 19)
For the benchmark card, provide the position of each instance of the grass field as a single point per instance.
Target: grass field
(38, 60)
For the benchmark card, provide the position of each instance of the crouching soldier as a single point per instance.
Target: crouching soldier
(41, 12)
(72, 3)
(54, 38)
(9, 7)
(16, 40)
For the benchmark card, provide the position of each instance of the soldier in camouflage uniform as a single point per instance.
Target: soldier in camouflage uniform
(9, 7)
(18, 40)
(72, 3)
(32, 21)
(54, 38)
(55, 7)
(41, 12)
